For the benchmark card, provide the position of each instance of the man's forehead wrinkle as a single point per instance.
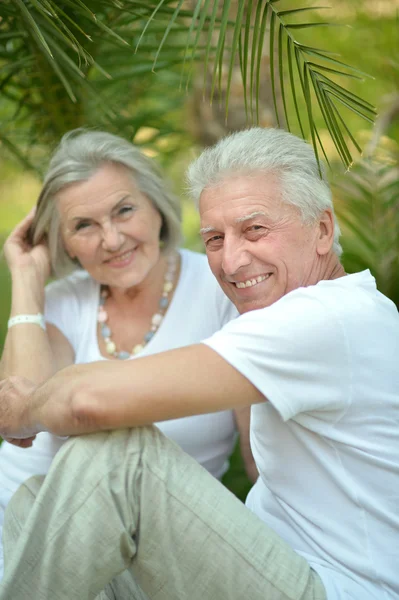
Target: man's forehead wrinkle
(238, 198)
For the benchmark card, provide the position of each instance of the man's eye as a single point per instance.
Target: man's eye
(255, 232)
(214, 240)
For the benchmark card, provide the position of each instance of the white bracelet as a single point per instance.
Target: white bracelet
(22, 319)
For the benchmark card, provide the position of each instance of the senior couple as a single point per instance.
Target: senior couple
(124, 512)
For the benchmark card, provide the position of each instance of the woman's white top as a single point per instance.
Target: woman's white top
(198, 309)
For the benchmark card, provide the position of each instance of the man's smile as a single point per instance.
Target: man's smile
(251, 282)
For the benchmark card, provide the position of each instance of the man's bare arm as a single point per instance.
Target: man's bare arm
(115, 394)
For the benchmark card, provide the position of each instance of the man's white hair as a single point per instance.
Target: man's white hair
(270, 151)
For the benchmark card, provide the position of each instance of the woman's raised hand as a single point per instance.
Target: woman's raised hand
(22, 256)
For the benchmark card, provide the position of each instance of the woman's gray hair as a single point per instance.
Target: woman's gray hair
(77, 158)
(271, 151)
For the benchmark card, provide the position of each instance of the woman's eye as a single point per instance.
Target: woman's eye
(125, 210)
(82, 225)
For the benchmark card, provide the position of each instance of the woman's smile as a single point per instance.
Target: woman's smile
(116, 239)
(121, 260)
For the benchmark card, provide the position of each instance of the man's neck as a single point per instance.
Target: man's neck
(332, 268)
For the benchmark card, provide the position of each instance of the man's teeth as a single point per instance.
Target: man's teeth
(251, 282)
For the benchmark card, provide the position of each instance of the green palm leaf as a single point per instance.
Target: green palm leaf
(367, 206)
(63, 65)
(318, 94)
(69, 60)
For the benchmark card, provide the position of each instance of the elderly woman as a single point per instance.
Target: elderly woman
(106, 223)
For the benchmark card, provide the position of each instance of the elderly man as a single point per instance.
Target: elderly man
(125, 514)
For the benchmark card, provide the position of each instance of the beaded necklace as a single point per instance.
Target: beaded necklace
(156, 319)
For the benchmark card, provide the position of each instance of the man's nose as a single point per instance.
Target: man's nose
(235, 256)
(112, 237)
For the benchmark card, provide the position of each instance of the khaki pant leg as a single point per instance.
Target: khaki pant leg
(131, 502)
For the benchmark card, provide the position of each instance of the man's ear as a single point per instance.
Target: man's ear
(326, 232)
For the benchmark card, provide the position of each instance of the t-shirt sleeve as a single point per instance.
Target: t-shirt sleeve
(62, 308)
(294, 352)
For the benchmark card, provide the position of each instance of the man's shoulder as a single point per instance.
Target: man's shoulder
(331, 312)
(353, 296)
(341, 295)
(324, 306)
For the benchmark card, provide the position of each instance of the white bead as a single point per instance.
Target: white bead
(156, 319)
(102, 316)
(110, 347)
(168, 286)
(138, 348)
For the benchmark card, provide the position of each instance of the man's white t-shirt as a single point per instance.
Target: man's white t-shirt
(198, 309)
(327, 441)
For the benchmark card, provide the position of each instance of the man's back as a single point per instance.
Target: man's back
(327, 442)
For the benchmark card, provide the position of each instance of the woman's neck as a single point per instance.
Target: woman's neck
(144, 293)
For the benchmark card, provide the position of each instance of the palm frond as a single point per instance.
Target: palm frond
(63, 65)
(68, 59)
(367, 207)
(309, 76)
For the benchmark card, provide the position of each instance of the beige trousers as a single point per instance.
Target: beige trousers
(128, 515)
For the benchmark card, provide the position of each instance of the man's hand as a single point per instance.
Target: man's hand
(54, 406)
(15, 415)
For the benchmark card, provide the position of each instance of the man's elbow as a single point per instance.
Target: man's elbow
(86, 415)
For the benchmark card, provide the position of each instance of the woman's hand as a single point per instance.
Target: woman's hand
(16, 425)
(21, 256)
(26, 409)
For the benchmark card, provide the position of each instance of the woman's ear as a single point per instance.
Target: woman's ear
(64, 243)
(71, 254)
(68, 250)
(326, 232)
